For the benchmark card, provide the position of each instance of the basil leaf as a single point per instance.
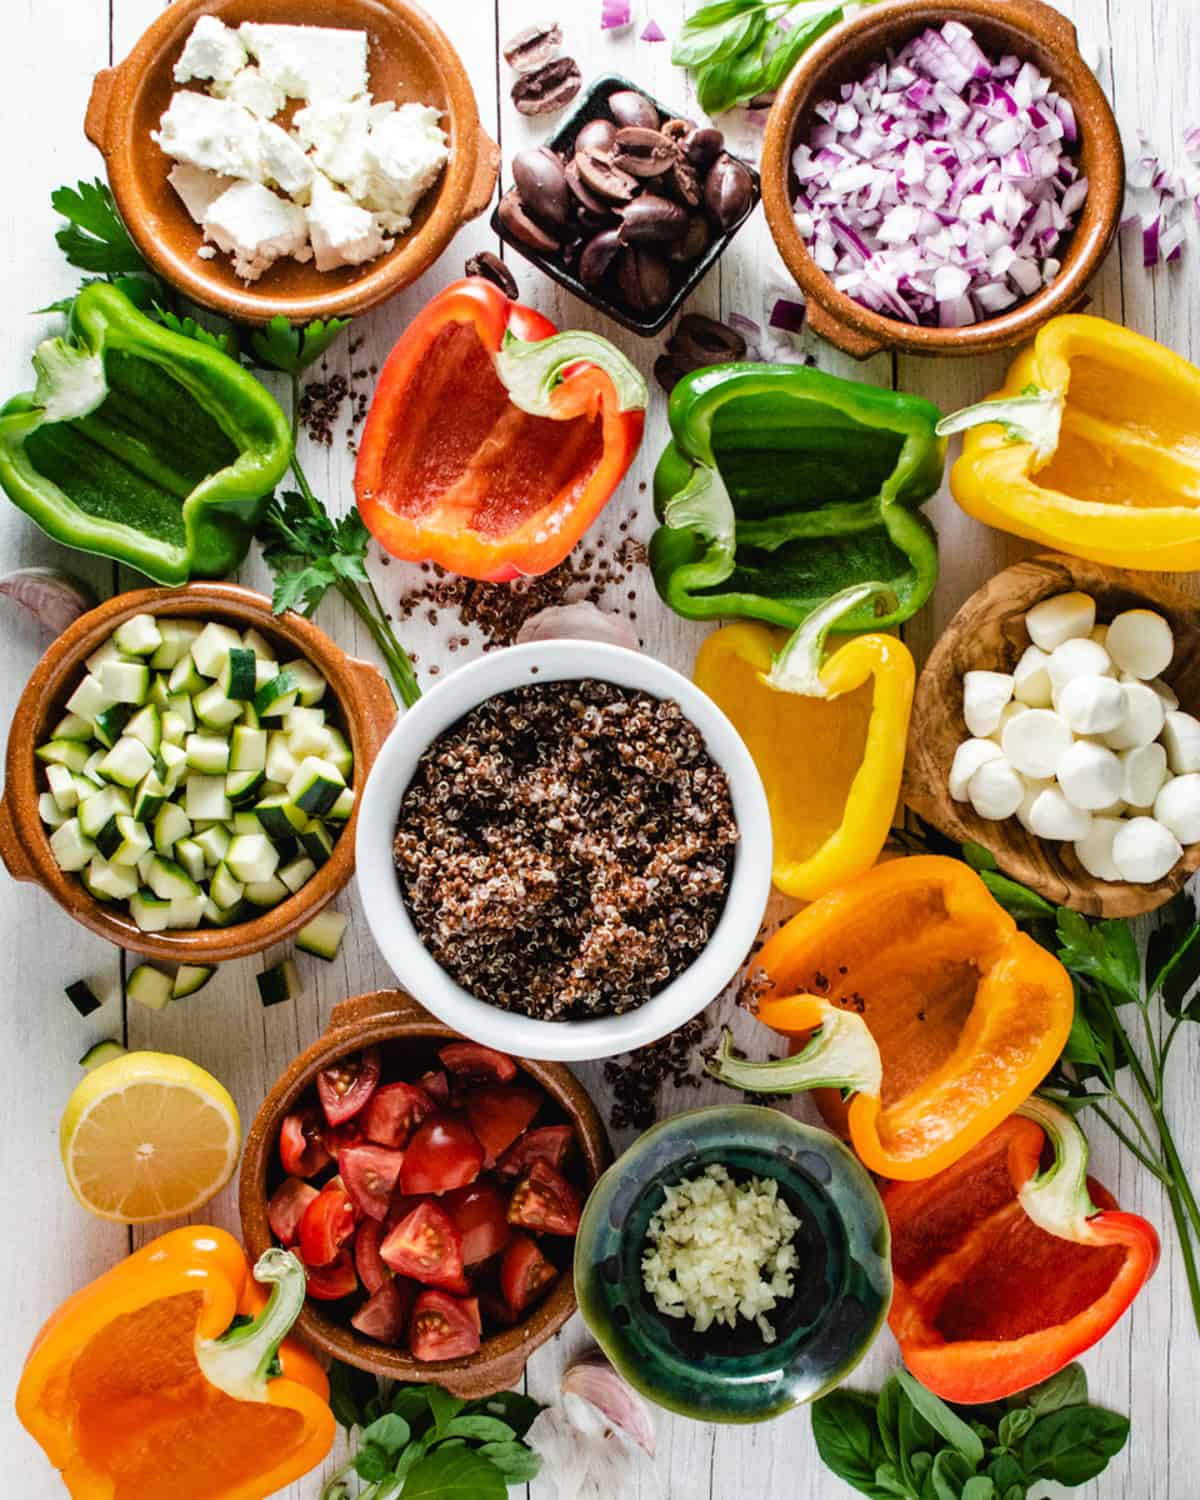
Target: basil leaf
(889, 1482)
(444, 1407)
(515, 1461)
(1177, 977)
(1074, 1444)
(372, 1463)
(949, 1474)
(797, 42)
(714, 31)
(349, 1392)
(1068, 1388)
(479, 1429)
(454, 1474)
(939, 1416)
(1014, 1425)
(390, 1432)
(1004, 1471)
(513, 1407)
(411, 1456)
(736, 75)
(847, 1438)
(1017, 900)
(979, 1488)
(979, 857)
(887, 1417)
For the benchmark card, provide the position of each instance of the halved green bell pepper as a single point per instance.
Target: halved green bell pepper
(143, 445)
(783, 485)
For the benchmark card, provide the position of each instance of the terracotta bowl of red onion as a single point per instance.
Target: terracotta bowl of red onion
(942, 179)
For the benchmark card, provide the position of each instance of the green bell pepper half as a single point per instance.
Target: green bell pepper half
(142, 445)
(783, 485)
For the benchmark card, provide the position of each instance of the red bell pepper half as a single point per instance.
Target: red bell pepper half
(493, 441)
(1004, 1273)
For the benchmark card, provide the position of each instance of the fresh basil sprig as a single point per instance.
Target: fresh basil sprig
(906, 1444)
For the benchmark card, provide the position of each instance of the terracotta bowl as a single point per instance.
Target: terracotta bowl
(409, 59)
(989, 632)
(391, 1017)
(367, 713)
(1024, 27)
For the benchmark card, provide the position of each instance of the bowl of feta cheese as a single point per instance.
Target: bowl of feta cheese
(285, 156)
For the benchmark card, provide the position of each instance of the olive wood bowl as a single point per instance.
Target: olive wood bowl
(380, 1018)
(988, 632)
(367, 714)
(1027, 28)
(409, 59)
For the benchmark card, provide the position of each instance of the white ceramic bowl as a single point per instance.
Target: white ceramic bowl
(387, 915)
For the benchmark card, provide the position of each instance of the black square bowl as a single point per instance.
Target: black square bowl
(606, 298)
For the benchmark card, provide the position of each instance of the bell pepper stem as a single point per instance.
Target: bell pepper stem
(797, 668)
(529, 371)
(1035, 416)
(842, 1054)
(239, 1362)
(71, 381)
(1057, 1198)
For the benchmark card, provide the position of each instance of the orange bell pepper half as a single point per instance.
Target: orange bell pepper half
(932, 1008)
(138, 1388)
(1004, 1273)
(493, 441)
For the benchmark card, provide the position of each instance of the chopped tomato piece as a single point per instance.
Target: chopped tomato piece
(332, 1282)
(302, 1147)
(477, 1212)
(444, 1327)
(443, 1154)
(395, 1112)
(471, 1063)
(525, 1273)
(436, 1085)
(425, 1246)
(372, 1271)
(385, 1316)
(544, 1201)
(548, 1143)
(345, 1086)
(286, 1209)
(499, 1112)
(491, 1299)
(343, 1137)
(370, 1174)
(327, 1224)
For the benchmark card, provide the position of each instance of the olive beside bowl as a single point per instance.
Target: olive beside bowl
(843, 1283)
(394, 1022)
(366, 712)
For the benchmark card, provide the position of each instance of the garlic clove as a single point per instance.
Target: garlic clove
(594, 1380)
(54, 599)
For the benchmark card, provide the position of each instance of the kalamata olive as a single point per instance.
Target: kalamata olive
(642, 152)
(700, 341)
(596, 257)
(596, 135)
(493, 269)
(645, 279)
(522, 226)
(628, 107)
(549, 88)
(652, 221)
(588, 201)
(602, 176)
(532, 48)
(676, 130)
(702, 147)
(693, 243)
(683, 184)
(728, 191)
(668, 372)
(541, 180)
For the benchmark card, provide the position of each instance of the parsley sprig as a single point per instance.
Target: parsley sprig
(419, 1441)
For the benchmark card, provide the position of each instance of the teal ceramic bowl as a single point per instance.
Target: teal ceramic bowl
(843, 1283)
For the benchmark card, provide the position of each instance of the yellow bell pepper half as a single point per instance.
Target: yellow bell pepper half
(827, 737)
(1092, 447)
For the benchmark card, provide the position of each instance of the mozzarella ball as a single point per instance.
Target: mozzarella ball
(1009, 711)
(1157, 685)
(1031, 680)
(1143, 850)
(1066, 617)
(1144, 769)
(1077, 659)
(1177, 807)
(968, 758)
(984, 697)
(1181, 737)
(1032, 789)
(1143, 721)
(1090, 776)
(1095, 850)
(996, 790)
(1092, 705)
(1035, 742)
(1141, 643)
(1051, 816)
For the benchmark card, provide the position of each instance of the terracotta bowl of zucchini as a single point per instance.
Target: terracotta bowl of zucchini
(182, 771)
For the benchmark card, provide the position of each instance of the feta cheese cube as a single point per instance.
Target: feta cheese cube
(198, 188)
(335, 131)
(309, 62)
(342, 234)
(405, 154)
(252, 91)
(284, 162)
(212, 133)
(211, 51)
(256, 227)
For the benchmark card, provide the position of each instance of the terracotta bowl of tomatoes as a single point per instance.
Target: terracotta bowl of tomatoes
(432, 1187)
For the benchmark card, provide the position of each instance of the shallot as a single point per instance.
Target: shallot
(581, 621)
(597, 1445)
(54, 599)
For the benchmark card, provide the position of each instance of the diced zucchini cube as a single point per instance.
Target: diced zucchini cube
(205, 798)
(259, 644)
(215, 709)
(281, 763)
(190, 856)
(134, 845)
(83, 997)
(267, 893)
(214, 841)
(190, 979)
(89, 699)
(63, 787)
(149, 987)
(72, 727)
(169, 881)
(212, 646)
(101, 807)
(158, 694)
(243, 786)
(188, 912)
(246, 822)
(252, 857)
(127, 762)
(139, 636)
(125, 681)
(297, 873)
(279, 817)
(70, 848)
(70, 753)
(184, 677)
(316, 785)
(50, 812)
(280, 983)
(111, 722)
(340, 753)
(316, 841)
(323, 935)
(238, 677)
(181, 704)
(310, 685)
(207, 753)
(223, 916)
(177, 637)
(109, 651)
(146, 725)
(171, 824)
(174, 728)
(276, 697)
(224, 888)
(248, 749)
(110, 881)
(149, 797)
(342, 808)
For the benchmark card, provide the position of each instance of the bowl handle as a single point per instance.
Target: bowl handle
(12, 851)
(483, 184)
(393, 1004)
(95, 122)
(849, 340)
(377, 700)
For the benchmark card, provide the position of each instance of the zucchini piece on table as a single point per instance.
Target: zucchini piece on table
(322, 936)
(150, 987)
(279, 983)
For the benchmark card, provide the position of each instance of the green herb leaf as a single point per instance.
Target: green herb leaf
(279, 346)
(1173, 959)
(95, 239)
(1004, 1471)
(1017, 900)
(979, 1488)
(188, 328)
(454, 1474)
(1104, 952)
(1068, 1388)
(949, 1474)
(515, 1461)
(797, 41)
(736, 75)
(847, 1438)
(1014, 1425)
(373, 1463)
(1074, 1444)
(349, 1392)
(412, 1403)
(887, 1418)
(513, 1407)
(714, 31)
(1083, 1046)
(979, 857)
(444, 1407)
(390, 1432)
(939, 1416)
(480, 1429)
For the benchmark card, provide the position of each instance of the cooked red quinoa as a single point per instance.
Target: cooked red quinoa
(565, 849)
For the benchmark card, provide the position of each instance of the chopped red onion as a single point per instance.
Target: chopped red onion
(939, 188)
(1158, 196)
(788, 315)
(615, 14)
(653, 32)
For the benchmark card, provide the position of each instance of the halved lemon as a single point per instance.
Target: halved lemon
(148, 1136)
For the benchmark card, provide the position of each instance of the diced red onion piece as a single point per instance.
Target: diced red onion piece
(653, 32)
(615, 14)
(788, 315)
(1151, 230)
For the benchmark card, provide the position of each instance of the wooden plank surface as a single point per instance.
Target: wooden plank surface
(1150, 52)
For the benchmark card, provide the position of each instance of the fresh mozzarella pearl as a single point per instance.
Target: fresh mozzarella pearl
(1094, 850)
(1009, 711)
(1035, 742)
(1091, 777)
(1143, 850)
(968, 758)
(1141, 643)
(1177, 807)
(1031, 680)
(984, 697)
(1051, 816)
(1032, 789)
(1143, 721)
(1181, 736)
(1092, 705)
(996, 790)
(1157, 685)
(1144, 769)
(1077, 659)
(1066, 617)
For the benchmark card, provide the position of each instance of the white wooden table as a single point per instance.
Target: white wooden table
(1150, 1365)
